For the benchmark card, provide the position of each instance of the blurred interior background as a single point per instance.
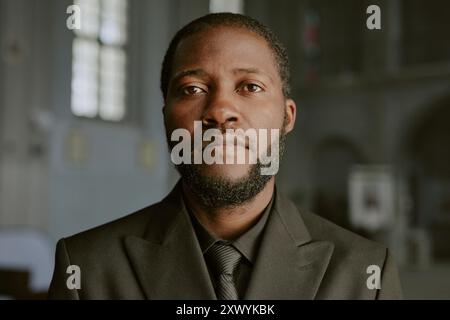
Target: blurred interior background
(82, 139)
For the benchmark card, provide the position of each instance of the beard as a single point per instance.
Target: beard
(221, 192)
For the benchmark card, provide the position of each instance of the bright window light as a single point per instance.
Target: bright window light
(234, 6)
(99, 60)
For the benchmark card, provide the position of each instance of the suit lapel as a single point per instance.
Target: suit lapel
(168, 261)
(169, 264)
(289, 264)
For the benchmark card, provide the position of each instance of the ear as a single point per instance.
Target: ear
(291, 114)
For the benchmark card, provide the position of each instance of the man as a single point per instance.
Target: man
(224, 232)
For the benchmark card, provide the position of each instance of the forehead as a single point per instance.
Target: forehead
(225, 48)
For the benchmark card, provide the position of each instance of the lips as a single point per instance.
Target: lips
(224, 142)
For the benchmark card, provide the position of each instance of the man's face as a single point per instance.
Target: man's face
(228, 79)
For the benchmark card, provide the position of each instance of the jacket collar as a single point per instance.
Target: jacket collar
(290, 264)
(169, 264)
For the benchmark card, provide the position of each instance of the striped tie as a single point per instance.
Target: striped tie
(224, 259)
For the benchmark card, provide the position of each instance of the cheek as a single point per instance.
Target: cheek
(269, 118)
(178, 116)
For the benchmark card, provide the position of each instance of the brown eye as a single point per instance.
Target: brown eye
(251, 87)
(192, 90)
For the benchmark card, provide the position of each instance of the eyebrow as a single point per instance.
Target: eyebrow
(190, 72)
(252, 71)
(202, 73)
(246, 70)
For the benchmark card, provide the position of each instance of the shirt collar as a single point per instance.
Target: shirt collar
(247, 243)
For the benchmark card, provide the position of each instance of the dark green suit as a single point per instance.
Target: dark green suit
(154, 254)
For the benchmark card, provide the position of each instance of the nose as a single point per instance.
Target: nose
(221, 112)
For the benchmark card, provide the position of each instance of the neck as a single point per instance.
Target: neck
(230, 223)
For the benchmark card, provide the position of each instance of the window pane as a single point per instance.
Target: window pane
(85, 78)
(99, 60)
(90, 18)
(112, 83)
(234, 6)
(114, 23)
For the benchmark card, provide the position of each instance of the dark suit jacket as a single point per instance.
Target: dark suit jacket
(154, 254)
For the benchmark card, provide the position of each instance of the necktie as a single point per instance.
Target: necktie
(224, 259)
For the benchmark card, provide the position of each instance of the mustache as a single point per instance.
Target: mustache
(222, 140)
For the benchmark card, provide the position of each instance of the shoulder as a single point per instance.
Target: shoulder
(108, 237)
(323, 229)
(100, 256)
(352, 253)
(347, 244)
(355, 260)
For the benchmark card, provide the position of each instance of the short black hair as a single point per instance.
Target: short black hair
(227, 19)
